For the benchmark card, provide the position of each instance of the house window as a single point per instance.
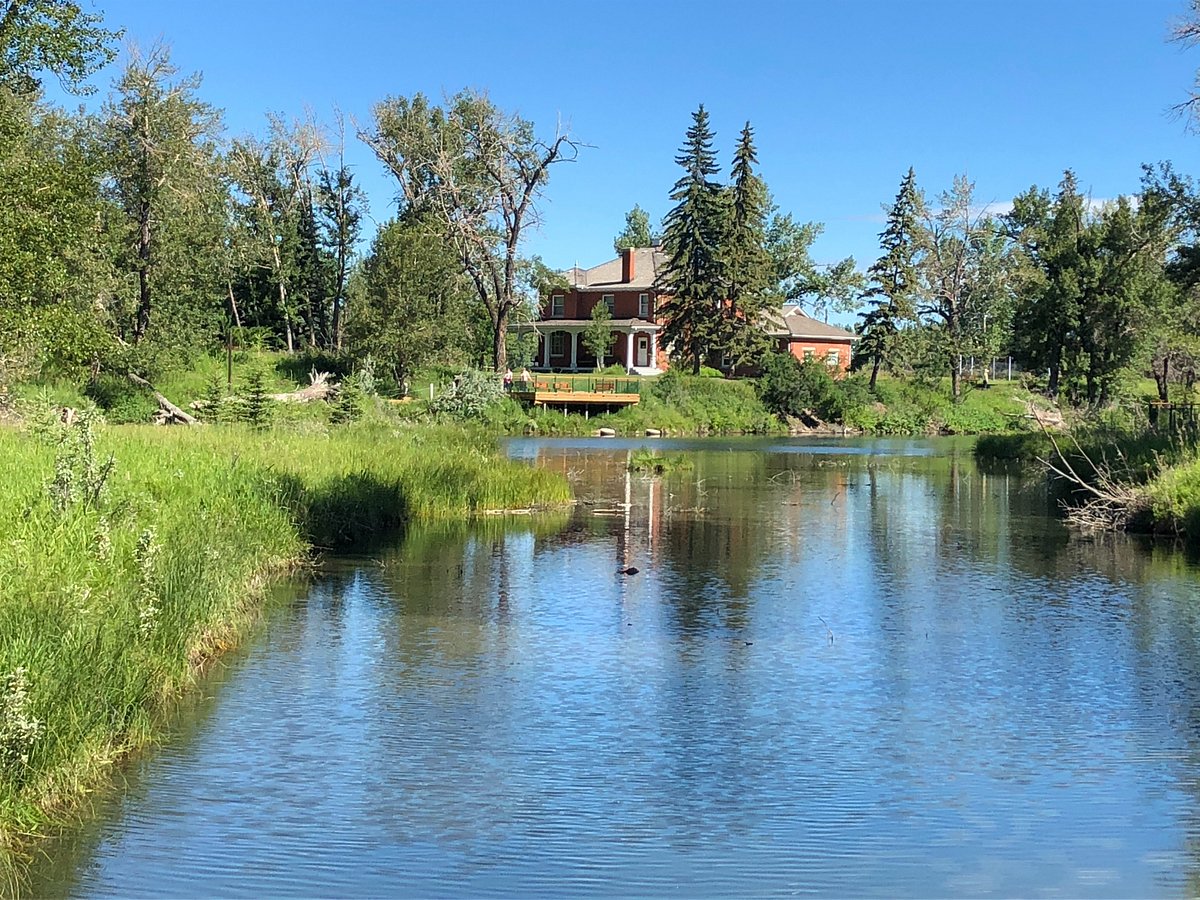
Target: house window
(643, 306)
(558, 343)
(832, 358)
(809, 353)
(556, 306)
(610, 301)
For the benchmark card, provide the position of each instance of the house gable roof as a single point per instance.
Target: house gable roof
(792, 323)
(647, 261)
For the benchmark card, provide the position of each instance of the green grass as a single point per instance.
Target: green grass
(109, 607)
(916, 407)
(1174, 500)
(655, 463)
(673, 403)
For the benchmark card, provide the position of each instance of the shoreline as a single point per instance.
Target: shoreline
(117, 593)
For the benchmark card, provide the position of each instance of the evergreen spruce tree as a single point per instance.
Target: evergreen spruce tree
(258, 402)
(892, 278)
(693, 277)
(313, 276)
(748, 265)
(214, 394)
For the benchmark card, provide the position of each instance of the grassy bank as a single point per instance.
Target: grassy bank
(673, 403)
(1131, 478)
(686, 405)
(117, 583)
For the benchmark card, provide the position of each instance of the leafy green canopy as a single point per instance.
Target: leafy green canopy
(54, 36)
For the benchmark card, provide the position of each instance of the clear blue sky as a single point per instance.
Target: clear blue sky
(844, 96)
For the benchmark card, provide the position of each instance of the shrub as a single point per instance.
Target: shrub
(469, 396)
(792, 388)
(123, 402)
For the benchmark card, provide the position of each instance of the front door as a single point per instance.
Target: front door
(643, 351)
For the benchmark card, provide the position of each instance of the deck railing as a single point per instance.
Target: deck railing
(548, 382)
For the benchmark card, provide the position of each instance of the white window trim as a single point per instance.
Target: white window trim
(558, 306)
(833, 357)
(609, 300)
(643, 306)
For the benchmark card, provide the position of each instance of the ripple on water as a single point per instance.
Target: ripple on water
(862, 679)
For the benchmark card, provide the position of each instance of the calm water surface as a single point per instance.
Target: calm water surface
(843, 668)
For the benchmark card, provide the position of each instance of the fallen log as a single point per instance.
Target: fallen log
(169, 413)
(319, 388)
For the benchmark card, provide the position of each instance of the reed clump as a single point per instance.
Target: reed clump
(129, 556)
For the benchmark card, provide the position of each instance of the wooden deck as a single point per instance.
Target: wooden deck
(564, 394)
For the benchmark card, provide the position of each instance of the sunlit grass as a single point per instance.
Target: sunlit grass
(109, 608)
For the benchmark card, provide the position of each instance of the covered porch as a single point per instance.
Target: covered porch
(561, 349)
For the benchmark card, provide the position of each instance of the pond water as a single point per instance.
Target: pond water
(855, 667)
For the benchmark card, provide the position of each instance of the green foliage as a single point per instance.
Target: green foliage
(410, 305)
(351, 398)
(793, 389)
(637, 231)
(964, 274)
(476, 172)
(1174, 500)
(1093, 290)
(123, 402)
(747, 264)
(598, 336)
(655, 463)
(469, 396)
(893, 279)
(160, 143)
(258, 405)
(693, 278)
(214, 397)
(1025, 447)
(80, 477)
(54, 36)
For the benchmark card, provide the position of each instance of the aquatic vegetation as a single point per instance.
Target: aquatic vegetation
(647, 460)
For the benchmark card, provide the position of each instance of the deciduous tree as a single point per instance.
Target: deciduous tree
(478, 171)
(636, 232)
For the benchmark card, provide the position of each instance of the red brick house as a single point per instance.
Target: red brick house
(626, 286)
(807, 338)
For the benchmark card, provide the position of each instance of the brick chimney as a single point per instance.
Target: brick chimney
(627, 265)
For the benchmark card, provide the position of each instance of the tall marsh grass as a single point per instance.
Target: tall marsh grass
(117, 581)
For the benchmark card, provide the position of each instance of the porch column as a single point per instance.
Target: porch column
(546, 350)
(629, 360)
(574, 349)
(654, 349)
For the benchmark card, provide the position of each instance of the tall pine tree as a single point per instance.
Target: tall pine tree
(693, 277)
(892, 278)
(748, 265)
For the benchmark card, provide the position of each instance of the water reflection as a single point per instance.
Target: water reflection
(868, 670)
